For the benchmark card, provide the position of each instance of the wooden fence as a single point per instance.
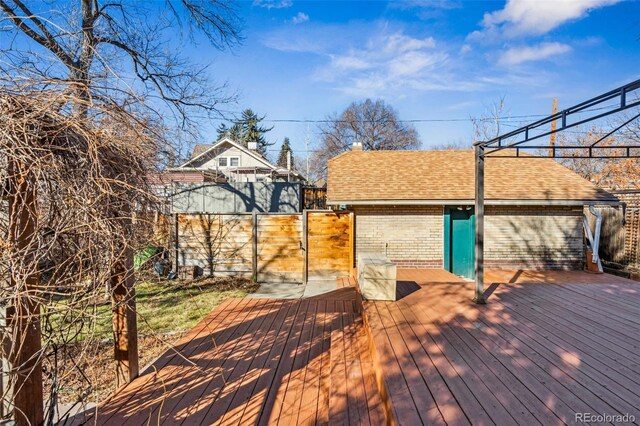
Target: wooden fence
(620, 241)
(268, 247)
(632, 238)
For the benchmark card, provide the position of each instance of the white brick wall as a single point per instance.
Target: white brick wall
(413, 235)
(527, 237)
(534, 237)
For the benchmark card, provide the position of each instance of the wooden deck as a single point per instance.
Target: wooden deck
(259, 361)
(546, 346)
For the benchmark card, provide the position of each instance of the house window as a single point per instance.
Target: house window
(222, 161)
(234, 161)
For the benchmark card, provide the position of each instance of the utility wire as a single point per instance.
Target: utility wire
(426, 120)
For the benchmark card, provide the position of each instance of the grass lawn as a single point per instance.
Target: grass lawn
(166, 309)
(171, 306)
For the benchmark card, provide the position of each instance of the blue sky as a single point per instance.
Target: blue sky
(430, 59)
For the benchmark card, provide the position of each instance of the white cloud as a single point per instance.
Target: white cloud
(526, 17)
(300, 18)
(518, 55)
(386, 63)
(273, 4)
(466, 48)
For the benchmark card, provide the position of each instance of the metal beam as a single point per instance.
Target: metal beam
(479, 231)
(518, 137)
(523, 135)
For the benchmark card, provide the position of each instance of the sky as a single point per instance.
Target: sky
(435, 60)
(438, 63)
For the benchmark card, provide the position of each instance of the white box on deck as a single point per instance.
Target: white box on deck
(376, 277)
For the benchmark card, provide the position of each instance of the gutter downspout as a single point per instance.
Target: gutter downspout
(594, 239)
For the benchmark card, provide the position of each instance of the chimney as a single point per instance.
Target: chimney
(357, 146)
(253, 146)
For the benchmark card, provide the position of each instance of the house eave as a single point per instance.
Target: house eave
(490, 202)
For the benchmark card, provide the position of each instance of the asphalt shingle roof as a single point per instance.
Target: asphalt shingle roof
(450, 175)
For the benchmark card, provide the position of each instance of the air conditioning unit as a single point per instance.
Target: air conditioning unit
(252, 146)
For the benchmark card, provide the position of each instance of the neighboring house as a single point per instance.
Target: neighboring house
(237, 163)
(226, 177)
(417, 206)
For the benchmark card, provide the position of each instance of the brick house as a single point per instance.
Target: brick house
(417, 207)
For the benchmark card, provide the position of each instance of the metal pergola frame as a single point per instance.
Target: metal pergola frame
(515, 143)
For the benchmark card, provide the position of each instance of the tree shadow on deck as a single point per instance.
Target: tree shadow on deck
(256, 365)
(536, 353)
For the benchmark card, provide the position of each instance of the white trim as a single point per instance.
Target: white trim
(234, 144)
(471, 202)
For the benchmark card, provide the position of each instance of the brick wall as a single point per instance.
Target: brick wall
(526, 237)
(413, 235)
(534, 237)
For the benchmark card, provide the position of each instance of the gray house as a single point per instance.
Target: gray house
(227, 177)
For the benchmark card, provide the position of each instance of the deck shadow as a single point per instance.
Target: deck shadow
(405, 288)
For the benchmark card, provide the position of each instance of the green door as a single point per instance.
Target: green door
(459, 238)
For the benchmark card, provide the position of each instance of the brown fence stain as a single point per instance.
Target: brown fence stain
(280, 253)
(329, 243)
(224, 244)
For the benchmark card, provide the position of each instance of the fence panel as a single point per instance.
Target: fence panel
(329, 244)
(632, 238)
(612, 234)
(219, 244)
(279, 248)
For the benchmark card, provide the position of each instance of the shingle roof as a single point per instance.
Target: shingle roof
(199, 149)
(450, 175)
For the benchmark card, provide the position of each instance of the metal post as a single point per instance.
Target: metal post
(176, 241)
(479, 231)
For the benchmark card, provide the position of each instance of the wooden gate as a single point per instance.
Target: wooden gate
(279, 251)
(329, 243)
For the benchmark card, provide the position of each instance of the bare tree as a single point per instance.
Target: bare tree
(373, 123)
(453, 145)
(70, 187)
(84, 91)
(489, 126)
(611, 173)
(96, 46)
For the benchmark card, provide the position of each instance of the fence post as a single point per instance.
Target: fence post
(254, 245)
(305, 246)
(125, 327)
(176, 243)
(23, 315)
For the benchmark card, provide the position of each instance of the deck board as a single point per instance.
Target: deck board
(258, 361)
(546, 345)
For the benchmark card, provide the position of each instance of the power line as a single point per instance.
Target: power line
(423, 120)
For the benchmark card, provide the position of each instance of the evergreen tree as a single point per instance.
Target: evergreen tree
(222, 130)
(282, 157)
(252, 131)
(236, 134)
